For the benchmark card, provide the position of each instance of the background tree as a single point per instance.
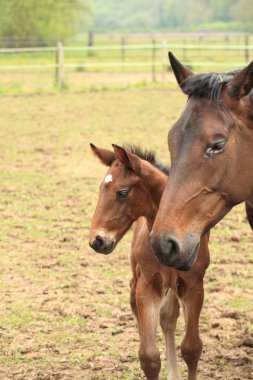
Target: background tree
(173, 15)
(46, 21)
(242, 11)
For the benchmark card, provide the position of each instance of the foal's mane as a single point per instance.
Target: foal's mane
(208, 85)
(147, 155)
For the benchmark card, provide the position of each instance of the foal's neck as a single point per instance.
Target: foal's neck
(155, 186)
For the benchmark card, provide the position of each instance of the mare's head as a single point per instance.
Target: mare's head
(125, 192)
(211, 147)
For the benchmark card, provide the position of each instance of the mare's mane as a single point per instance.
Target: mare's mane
(208, 85)
(147, 155)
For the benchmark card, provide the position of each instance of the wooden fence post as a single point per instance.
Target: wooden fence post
(59, 72)
(153, 60)
(184, 50)
(164, 60)
(90, 44)
(90, 39)
(246, 48)
(123, 41)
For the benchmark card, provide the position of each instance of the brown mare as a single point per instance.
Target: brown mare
(211, 147)
(131, 192)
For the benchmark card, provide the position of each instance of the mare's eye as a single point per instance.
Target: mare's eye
(122, 194)
(215, 148)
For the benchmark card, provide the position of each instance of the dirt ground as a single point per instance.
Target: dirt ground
(64, 310)
(41, 82)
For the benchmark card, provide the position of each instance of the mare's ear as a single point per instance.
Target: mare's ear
(242, 83)
(106, 156)
(130, 160)
(181, 72)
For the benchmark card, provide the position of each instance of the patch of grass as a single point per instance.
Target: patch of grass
(12, 89)
(17, 316)
(240, 302)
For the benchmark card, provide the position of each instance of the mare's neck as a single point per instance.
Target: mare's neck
(246, 110)
(251, 104)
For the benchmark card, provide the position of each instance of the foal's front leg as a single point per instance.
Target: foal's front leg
(168, 321)
(148, 300)
(191, 346)
(133, 305)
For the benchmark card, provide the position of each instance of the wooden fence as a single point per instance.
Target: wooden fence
(156, 59)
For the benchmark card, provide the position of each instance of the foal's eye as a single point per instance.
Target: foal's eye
(214, 148)
(122, 194)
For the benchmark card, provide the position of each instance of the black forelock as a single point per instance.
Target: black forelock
(147, 155)
(208, 85)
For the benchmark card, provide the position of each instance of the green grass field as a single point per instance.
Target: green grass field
(64, 310)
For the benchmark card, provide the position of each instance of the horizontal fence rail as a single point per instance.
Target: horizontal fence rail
(129, 47)
(58, 57)
(113, 64)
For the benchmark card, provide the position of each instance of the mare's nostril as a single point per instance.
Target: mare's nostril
(170, 253)
(167, 249)
(170, 247)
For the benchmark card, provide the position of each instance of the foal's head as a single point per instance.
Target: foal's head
(211, 148)
(129, 190)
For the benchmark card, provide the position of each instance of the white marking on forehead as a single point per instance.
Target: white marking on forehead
(108, 178)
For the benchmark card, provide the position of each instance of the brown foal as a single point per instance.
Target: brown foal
(131, 192)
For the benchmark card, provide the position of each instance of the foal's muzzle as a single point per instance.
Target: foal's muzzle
(102, 244)
(170, 253)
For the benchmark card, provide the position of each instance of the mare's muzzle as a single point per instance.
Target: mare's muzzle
(102, 244)
(171, 253)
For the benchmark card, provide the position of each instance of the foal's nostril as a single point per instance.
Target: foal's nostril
(98, 243)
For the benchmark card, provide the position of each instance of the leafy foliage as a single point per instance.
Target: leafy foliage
(44, 20)
(150, 15)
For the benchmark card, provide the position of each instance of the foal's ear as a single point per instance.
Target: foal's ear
(181, 72)
(106, 156)
(242, 83)
(130, 160)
